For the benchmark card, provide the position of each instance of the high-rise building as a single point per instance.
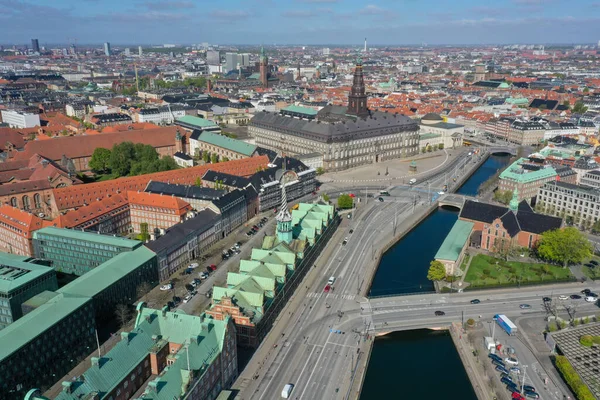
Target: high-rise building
(127, 52)
(213, 57)
(107, 49)
(231, 61)
(35, 45)
(140, 52)
(244, 59)
(263, 65)
(326, 51)
(72, 50)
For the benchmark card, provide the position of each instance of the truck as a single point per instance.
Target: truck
(506, 324)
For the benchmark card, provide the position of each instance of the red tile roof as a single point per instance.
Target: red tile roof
(86, 213)
(21, 220)
(75, 196)
(83, 146)
(158, 200)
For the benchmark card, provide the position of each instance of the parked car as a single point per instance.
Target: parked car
(189, 287)
(475, 301)
(585, 291)
(187, 298)
(524, 306)
(176, 300)
(494, 357)
(575, 297)
(197, 281)
(528, 388)
(531, 395)
(168, 286)
(594, 262)
(194, 265)
(563, 297)
(591, 299)
(212, 267)
(203, 275)
(511, 361)
(501, 369)
(440, 313)
(513, 389)
(515, 370)
(500, 363)
(507, 381)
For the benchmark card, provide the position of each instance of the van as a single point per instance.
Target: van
(287, 390)
(412, 181)
(331, 280)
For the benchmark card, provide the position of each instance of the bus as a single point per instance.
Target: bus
(466, 143)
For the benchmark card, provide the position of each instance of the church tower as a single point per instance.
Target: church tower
(357, 99)
(284, 219)
(263, 64)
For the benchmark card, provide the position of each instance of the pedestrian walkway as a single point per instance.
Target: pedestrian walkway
(313, 295)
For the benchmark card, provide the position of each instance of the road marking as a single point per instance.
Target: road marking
(315, 367)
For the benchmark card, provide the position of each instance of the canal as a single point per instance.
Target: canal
(419, 364)
(403, 268)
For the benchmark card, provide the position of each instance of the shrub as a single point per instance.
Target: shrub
(552, 327)
(586, 340)
(470, 322)
(572, 378)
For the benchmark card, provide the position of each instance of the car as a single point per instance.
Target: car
(212, 267)
(500, 363)
(501, 369)
(507, 381)
(439, 313)
(546, 299)
(331, 280)
(585, 291)
(380, 199)
(524, 306)
(187, 298)
(531, 395)
(515, 370)
(249, 233)
(575, 297)
(494, 357)
(475, 301)
(513, 389)
(170, 304)
(197, 281)
(351, 231)
(193, 283)
(563, 297)
(189, 287)
(511, 361)
(255, 227)
(176, 300)
(194, 265)
(327, 288)
(592, 294)
(528, 388)
(591, 299)
(168, 286)
(345, 241)
(349, 215)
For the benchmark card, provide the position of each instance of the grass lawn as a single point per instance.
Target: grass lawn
(489, 271)
(463, 265)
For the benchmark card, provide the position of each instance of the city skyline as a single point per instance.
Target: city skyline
(302, 22)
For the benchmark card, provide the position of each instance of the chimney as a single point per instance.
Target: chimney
(125, 336)
(66, 387)
(95, 361)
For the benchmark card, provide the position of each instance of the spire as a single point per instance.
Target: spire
(514, 202)
(357, 99)
(284, 214)
(284, 219)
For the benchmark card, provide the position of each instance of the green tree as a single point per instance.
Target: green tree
(214, 158)
(586, 90)
(579, 108)
(225, 159)
(565, 246)
(144, 235)
(320, 171)
(100, 160)
(120, 158)
(437, 271)
(424, 150)
(567, 104)
(326, 198)
(503, 196)
(441, 146)
(198, 182)
(206, 156)
(345, 201)
(596, 227)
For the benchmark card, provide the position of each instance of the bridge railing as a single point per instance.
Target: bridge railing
(381, 296)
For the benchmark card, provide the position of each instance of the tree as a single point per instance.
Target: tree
(503, 196)
(326, 198)
(437, 271)
(206, 156)
(214, 158)
(320, 171)
(596, 227)
(144, 235)
(122, 314)
(198, 182)
(424, 150)
(120, 158)
(100, 160)
(579, 108)
(441, 146)
(586, 89)
(143, 289)
(567, 104)
(565, 246)
(345, 201)
(225, 159)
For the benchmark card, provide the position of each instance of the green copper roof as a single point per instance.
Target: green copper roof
(227, 143)
(196, 121)
(520, 175)
(455, 241)
(88, 237)
(107, 273)
(517, 100)
(300, 110)
(15, 272)
(514, 202)
(31, 325)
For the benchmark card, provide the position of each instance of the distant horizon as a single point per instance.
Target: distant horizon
(308, 22)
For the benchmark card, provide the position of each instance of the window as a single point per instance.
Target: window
(13, 201)
(26, 205)
(37, 200)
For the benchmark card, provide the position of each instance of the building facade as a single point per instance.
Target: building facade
(579, 205)
(346, 136)
(16, 119)
(16, 230)
(163, 115)
(20, 280)
(226, 148)
(77, 252)
(156, 211)
(591, 179)
(526, 178)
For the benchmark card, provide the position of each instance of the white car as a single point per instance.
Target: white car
(591, 299)
(193, 265)
(563, 297)
(187, 298)
(168, 286)
(511, 361)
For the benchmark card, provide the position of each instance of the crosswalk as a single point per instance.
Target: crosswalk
(331, 296)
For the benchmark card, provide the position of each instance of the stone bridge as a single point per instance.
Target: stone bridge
(454, 200)
(502, 149)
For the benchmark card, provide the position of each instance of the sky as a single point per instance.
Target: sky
(300, 22)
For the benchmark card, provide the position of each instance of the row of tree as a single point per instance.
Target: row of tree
(128, 159)
(431, 148)
(213, 158)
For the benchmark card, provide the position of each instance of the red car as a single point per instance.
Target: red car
(517, 396)
(327, 288)
(212, 267)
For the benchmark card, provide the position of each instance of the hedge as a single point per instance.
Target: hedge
(572, 378)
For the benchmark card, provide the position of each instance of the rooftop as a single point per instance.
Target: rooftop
(15, 273)
(518, 173)
(455, 241)
(228, 143)
(300, 110)
(89, 237)
(196, 121)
